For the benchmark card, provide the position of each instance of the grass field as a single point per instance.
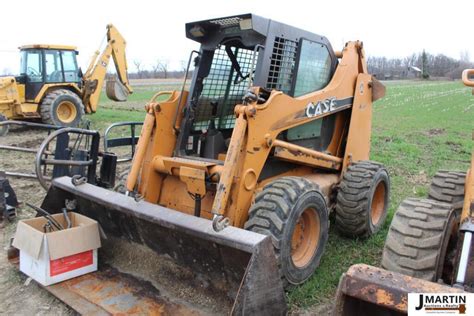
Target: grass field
(418, 128)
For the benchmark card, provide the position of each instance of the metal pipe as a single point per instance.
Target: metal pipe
(466, 246)
(30, 124)
(24, 175)
(78, 163)
(21, 149)
(142, 146)
(306, 151)
(175, 117)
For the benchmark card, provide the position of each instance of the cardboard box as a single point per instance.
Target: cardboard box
(53, 257)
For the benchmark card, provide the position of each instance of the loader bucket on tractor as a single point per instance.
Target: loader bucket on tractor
(115, 90)
(367, 290)
(154, 259)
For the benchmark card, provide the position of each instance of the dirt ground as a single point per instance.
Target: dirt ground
(19, 296)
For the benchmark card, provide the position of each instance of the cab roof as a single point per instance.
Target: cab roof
(48, 46)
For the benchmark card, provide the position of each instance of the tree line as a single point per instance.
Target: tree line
(422, 65)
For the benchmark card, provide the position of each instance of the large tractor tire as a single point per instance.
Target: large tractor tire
(62, 108)
(421, 234)
(293, 211)
(362, 199)
(3, 128)
(448, 187)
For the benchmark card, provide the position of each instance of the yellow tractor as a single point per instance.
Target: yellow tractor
(234, 181)
(428, 250)
(53, 89)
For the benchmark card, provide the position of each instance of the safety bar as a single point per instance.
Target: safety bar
(122, 141)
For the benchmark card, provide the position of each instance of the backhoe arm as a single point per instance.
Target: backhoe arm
(97, 70)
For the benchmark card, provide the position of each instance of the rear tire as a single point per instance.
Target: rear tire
(293, 212)
(62, 108)
(362, 199)
(418, 239)
(4, 128)
(448, 187)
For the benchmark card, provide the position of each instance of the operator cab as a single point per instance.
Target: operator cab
(247, 50)
(47, 64)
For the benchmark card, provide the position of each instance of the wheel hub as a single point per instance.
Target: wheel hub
(305, 238)
(378, 203)
(66, 112)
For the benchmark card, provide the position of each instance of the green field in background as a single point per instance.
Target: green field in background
(418, 128)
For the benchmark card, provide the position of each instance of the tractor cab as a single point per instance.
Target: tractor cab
(247, 50)
(47, 64)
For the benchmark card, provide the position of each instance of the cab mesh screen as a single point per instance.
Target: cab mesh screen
(220, 86)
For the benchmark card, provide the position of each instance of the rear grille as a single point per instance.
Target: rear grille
(227, 21)
(282, 65)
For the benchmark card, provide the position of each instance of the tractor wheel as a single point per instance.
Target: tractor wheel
(448, 187)
(422, 233)
(362, 199)
(4, 128)
(293, 211)
(62, 108)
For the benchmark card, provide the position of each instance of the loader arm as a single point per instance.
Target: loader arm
(96, 72)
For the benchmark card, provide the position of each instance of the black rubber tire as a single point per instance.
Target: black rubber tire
(51, 102)
(448, 187)
(4, 128)
(355, 197)
(275, 213)
(418, 238)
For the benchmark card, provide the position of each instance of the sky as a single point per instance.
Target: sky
(154, 30)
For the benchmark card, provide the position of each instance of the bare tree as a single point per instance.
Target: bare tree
(138, 66)
(163, 64)
(184, 66)
(156, 67)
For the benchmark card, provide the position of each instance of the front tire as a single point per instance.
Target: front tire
(420, 237)
(362, 199)
(293, 211)
(62, 108)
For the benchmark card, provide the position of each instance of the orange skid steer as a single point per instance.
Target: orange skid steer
(231, 186)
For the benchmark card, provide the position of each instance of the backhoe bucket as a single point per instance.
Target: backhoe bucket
(367, 290)
(115, 90)
(158, 260)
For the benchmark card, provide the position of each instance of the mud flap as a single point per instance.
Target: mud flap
(367, 290)
(235, 269)
(115, 90)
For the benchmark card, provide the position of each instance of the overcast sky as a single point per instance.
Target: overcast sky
(155, 29)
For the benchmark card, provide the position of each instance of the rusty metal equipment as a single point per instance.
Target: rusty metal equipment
(234, 180)
(69, 151)
(428, 249)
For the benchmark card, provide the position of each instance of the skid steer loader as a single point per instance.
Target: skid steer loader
(429, 240)
(234, 181)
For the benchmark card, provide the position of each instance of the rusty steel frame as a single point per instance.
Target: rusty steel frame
(381, 289)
